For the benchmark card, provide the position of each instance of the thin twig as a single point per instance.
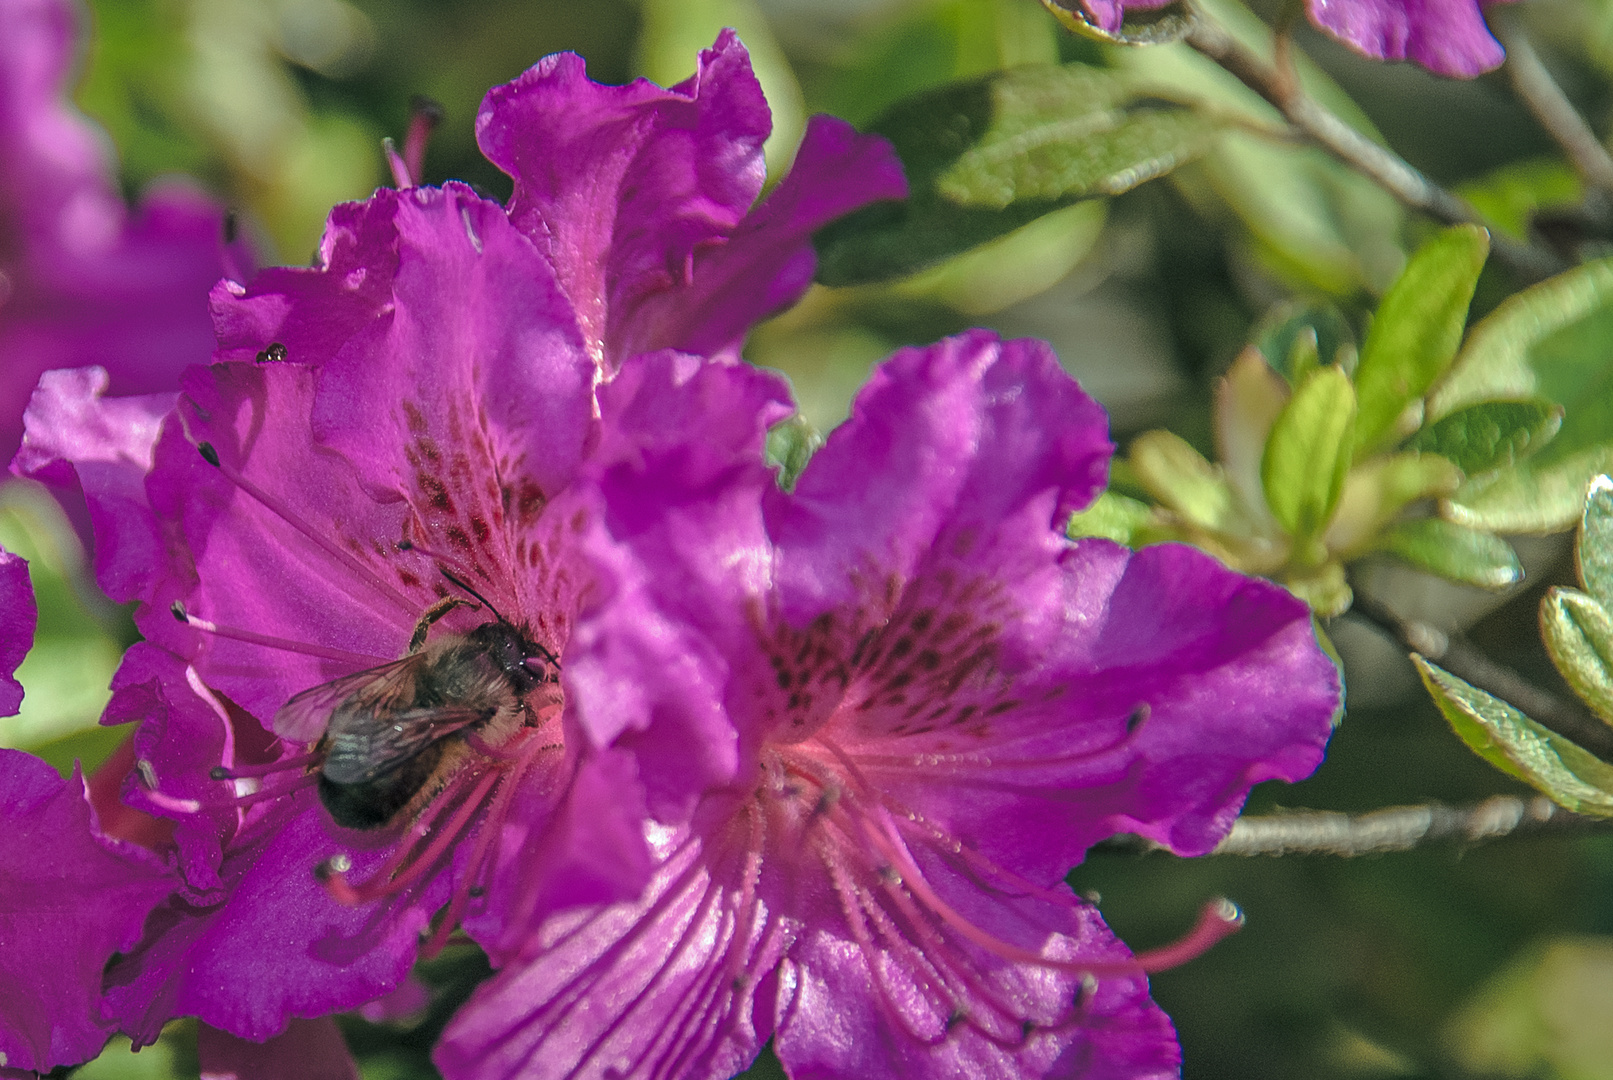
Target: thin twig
(1535, 86)
(1399, 828)
(1395, 828)
(1377, 163)
(1469, 663)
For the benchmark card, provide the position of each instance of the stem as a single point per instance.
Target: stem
(1538, 91)
(1394, 828)
(1466, 661)
(1377, 163)
(1399, 828)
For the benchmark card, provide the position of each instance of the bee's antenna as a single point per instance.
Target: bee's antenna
(451, 576)
(457, 580)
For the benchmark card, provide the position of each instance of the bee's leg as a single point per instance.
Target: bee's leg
(433, 613)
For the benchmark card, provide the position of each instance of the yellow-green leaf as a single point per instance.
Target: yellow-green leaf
(1496, 361)
(1181, 479)
(1491, 434)
(1594, 548)
(1454, 552)
(1416, 331)
(1113, 516)
(1579, 636)
(1544, 493)
(1571, 775)
(1308, 454)
(1248, 400)
(1376, 491)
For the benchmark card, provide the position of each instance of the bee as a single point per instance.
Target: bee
(394, 735)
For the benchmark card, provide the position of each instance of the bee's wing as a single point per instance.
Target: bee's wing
(304, 718)
(370, 745)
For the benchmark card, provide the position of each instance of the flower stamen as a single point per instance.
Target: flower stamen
(206, 626)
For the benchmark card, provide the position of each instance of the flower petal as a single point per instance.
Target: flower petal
(946, 445)
(279, 540)
(886, 1007)
(675, 535)
(278, 946)
(72, 900)
(633, 990)
(620, 185)
(78, 439)
(769, 260)
(18, 615)
(1447, 37)
(451, 375)
(1101, 692)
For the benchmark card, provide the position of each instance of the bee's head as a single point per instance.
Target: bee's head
(526, 663)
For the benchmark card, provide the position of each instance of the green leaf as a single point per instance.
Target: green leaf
(1520, 747)
(1454, 552)
(1308, 454)
(1543, 494)
(1180, 478)
(1553, 341)
(1579, 636)
(1594, 548)
(1113, 517)
(1312, 219)
(985, 156)
(1416, 331)
(1509, 196)
(1505, 354)
(1491, 434)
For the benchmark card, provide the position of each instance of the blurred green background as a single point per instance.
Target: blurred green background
(1437, 963)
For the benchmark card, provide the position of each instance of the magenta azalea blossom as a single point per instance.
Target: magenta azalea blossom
(939, 703)
(81, 280)
(61, 879)
(1448, 37)
(17, 618)
(389, 434)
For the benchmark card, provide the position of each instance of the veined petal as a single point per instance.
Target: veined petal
(1448, 37)
(657, 986)
(768, 261)
(279, 943)
(946, 446)
(77, 438)
(869, 996)
(619, 185)
(72, 900)
(673, 520)
(18, 615)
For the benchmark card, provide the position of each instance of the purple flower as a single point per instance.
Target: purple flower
(81, 281)
(54, 859)
(393, 434)
(17, 618)
(1448, 37)
(938, 704)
